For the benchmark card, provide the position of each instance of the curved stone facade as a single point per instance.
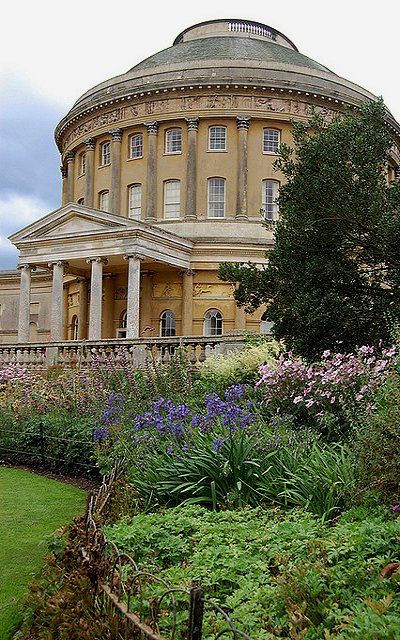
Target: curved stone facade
(167, 171)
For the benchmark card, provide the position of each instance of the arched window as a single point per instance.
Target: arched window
(173, 141)
(135, 201)
(217, 139)
(136, 146)
(271, 140)
(213, 323)
(270, 193)
(105, 154)
(216, 197)
(104, 200)
(74, 328)
(265, 324)
(167, 324)
(81, 201)
(172, 199)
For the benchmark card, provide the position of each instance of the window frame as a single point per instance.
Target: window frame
(130, 191)
(81, 201)
(217, 126)
(273, 204)
(170, 321)
(209, 315)
(209, 180)
(131, 138)
(82, 164)
(104, 155)
(174, 203)
(167, 141)
(75, 327)
(271, 153)
(102, 193)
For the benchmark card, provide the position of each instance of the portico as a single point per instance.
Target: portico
(88, 253)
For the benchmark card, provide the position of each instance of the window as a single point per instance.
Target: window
(74, 328)
(271, 140)
(104, 200)
(81, 201)
(136, 146)
(172, 199)
(216, 197)
(265, 324)
(213, 323)
(167, 324)
(217, 139)
(121, 331)
(105, 157)
(135, 201)
(173, 141)
(82, 164)
(270, 192)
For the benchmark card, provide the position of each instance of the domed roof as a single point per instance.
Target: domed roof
(222, 53)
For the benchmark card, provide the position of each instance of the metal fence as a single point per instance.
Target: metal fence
(123, 596)
(40, 449)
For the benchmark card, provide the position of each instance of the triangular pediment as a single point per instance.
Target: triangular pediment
(72, 220)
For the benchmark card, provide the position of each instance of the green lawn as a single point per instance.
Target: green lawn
(31, 507)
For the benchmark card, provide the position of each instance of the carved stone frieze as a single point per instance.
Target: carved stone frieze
(167, 290)
(218, 290)
(200, 103)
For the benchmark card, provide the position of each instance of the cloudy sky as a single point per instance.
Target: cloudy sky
(51, 52)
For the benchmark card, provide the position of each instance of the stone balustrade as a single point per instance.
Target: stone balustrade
(136, 352)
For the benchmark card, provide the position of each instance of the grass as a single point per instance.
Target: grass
(31, 507)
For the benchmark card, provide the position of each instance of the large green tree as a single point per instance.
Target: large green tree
(333, 277)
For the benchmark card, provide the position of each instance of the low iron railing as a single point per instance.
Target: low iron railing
(82, 353)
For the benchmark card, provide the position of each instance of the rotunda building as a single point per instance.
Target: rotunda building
(167, 171)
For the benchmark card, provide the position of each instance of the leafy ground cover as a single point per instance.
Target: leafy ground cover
(31, 507)
(278, 574)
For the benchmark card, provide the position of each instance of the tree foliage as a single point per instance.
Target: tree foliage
(332, 278)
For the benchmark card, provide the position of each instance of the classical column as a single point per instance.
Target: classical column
(65, 312)
(151, 195)
(56, 312)
(146, 306)
(64, 174)
(24, 302)
(133, 312)
(187, 302)
(191, 174)
(241, 205)
(83, 308)
(116, 137)
(89, 171)
(96, 297)
(108, 316)
(70, 158)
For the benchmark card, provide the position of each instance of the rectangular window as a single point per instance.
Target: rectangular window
(104, 200)
(217, 139)
(82, 164)
(270, 192)
(173, 141)
(136, 146)
(271, 140)
(216, 197)
(172, 199)
(105, 153)
(135, 201)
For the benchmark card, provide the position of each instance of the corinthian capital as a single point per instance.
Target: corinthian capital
(90, 144)
(116, 135)
(243, 122)
(70, 156)
(192, 124)
(64, 172)
(152, 127)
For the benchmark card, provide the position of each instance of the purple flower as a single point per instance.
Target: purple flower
(395, 507)
(100, 434)
(218, 444)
